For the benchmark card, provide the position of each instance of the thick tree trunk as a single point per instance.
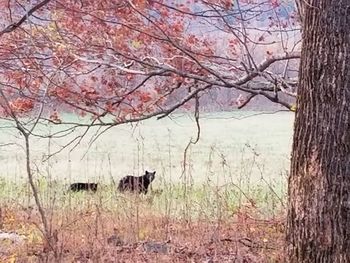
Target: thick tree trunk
(318, 224)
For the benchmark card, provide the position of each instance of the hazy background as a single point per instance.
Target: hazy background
(232, 146)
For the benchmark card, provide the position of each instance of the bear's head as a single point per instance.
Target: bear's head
(150, 176)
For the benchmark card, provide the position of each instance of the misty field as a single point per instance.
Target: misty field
(230, 145)
(233, 180)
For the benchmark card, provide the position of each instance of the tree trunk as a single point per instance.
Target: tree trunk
(318, 223)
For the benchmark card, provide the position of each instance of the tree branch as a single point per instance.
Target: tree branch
(13, 26)
(265, 64)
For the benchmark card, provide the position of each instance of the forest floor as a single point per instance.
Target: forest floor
(104, 235)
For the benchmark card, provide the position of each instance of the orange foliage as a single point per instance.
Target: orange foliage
(21, 105)
(89, 54)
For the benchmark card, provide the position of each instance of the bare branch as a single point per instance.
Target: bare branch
(14, 26)
(266, 63)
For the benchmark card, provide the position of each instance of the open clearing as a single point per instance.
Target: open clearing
(251, 146)
(227, 205)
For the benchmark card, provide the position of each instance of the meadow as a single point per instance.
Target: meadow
(231, 188)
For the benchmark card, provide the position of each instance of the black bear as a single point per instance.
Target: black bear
(76, 187)
(138, 184)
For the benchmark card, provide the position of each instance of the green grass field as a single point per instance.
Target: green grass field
(228, 149)
(235, 151)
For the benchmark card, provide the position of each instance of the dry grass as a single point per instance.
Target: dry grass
(98, 234)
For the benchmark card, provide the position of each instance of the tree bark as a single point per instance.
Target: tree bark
(318, 223)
